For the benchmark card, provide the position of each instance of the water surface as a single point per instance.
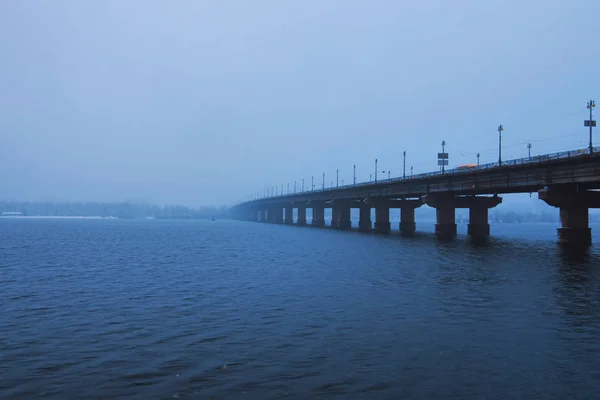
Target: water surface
(96, 309)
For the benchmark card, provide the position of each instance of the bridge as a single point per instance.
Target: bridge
(566, 180)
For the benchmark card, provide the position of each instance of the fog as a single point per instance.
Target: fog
(199, 102)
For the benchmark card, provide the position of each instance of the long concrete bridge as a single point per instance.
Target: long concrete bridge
(563, 180)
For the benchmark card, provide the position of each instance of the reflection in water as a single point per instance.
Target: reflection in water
(186, 309)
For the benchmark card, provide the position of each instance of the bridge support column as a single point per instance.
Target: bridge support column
(318, 215)
(574, 208)
(445, 213)
(302, 215)
(382, 218)
(364, 223)
(446, 205)
(334, 216)
(445, 221)
(407, 215)
(343, 216)
(478, 222)
(478, 213)
(275, 215)
(289, 215)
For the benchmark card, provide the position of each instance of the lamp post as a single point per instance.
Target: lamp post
(323, 180)
(591, 105)
(337, 178)
(294, 187)
(500, 129)
(529, 150)
(354, 175)
(312, 183)
(302, 185)
(443, 151)
(375, 170)
(404, 165)
(478, 155)
(411, 171)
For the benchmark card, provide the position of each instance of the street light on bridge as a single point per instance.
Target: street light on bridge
(323, 180)
(443, 156)
(529, 150)
(354, 175)
(500, 129)
(375, 170)
(591, 123)
(337, 178)
(478, 155)
(404, 165)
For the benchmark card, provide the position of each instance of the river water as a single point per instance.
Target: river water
(106, 309)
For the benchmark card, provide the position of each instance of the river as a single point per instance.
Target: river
(97, 309)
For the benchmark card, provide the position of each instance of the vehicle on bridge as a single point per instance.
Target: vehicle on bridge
(467, 166)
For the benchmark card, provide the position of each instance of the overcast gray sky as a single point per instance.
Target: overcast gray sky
(203, 102)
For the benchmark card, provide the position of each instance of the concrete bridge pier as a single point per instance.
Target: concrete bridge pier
(289, 215)
(364, 222)
(334, 215)
(301, 215)
(478, 214)
(318, 212)
(343, 215)
(407, 215)
(445, 221)
(275, 215)
(262, 216)
(574, 205)
(445, 213)
(446, 205)
(382, 218)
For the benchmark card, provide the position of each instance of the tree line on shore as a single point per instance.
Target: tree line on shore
(112, 210)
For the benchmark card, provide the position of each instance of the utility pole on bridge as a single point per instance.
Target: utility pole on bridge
(591, 123)
(404, 167)
(529, 150)
(375, 170)
(500, 129)
(354, 176)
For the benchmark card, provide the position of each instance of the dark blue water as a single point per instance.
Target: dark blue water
(97, 309)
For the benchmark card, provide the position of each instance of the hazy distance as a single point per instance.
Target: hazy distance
(198, 102)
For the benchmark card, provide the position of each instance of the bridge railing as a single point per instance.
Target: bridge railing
(454, 171)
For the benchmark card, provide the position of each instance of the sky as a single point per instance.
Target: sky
(206, 102)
